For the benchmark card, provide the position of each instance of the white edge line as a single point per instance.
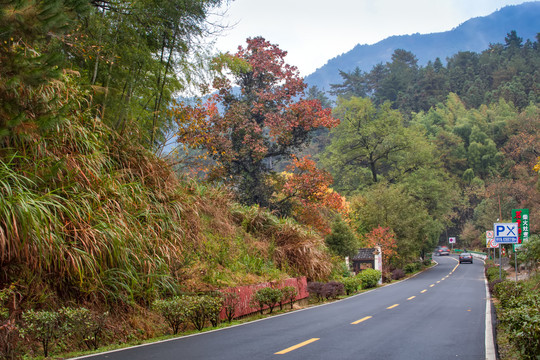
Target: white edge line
(489, 343)
(246, 323)
(228, 327)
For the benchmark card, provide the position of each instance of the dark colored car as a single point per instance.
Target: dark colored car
(442, 250)
(465, 257)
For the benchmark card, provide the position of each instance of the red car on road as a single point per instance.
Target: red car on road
(442, 250)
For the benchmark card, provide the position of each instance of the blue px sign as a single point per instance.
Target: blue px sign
(506, 233)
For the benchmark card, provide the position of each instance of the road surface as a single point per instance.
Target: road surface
(438, 314)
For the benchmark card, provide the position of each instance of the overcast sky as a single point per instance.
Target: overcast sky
(315, 31)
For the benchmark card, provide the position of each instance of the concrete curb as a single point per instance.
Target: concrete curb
(491, 352)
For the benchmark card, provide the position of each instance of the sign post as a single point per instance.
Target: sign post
(505, 233)
(452, 240)
(490, 241)
(521, 217)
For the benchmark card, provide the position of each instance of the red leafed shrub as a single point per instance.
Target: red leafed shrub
(333, 289)
(398, 274)
(315, 289)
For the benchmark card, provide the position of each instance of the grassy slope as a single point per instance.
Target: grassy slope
(87, 216)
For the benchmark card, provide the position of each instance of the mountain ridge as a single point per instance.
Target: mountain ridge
(475, 34)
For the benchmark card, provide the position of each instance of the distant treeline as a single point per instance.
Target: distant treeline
(509, 71)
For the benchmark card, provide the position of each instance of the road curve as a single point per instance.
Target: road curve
(438, 314)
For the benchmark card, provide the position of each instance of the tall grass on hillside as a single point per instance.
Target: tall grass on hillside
(86, 210)
(89, 214)
(297, 248)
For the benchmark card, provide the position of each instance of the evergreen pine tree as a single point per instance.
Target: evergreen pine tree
(30, 33)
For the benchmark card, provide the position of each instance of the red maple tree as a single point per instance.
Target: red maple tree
(309, 190)
(386, 239)
(262, 119)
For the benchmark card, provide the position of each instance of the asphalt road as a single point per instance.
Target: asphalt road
(438, 314)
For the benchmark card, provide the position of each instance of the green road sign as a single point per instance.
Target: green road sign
(521, 217)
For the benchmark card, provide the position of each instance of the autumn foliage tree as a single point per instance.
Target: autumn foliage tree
(386, 239)
(307, 191)
(262, 119)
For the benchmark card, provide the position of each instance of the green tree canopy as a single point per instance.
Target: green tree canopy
(391, 206)
(366, 143)
(342, 240)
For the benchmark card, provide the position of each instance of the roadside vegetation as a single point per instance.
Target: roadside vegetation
(517, 305)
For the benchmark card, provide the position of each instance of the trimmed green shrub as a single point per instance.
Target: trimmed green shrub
(523, 322)
(213, 304)
(492, 284)
(43, 326)
(351, 284)
(369, 278)
(230, 302)
(289, 294)
(267, 296)
(509, 293)
(83, 325)
(202, 308)
(174, 310)
(196, 311)
(412, 267)
(492, 273)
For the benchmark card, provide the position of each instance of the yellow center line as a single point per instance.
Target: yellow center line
(362, 319)
(412, 297)
(423, 291)
(432, 285)
(393, 306)
(296, 346)
(438, 281)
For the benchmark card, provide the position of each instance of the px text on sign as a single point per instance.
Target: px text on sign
(506, 233)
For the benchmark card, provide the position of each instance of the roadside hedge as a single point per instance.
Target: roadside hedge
(518, 312)
(197, 309)
(351, 284)
(174, 311)
(492, 273)
(267, 296)
(369, 278)
(78, 325)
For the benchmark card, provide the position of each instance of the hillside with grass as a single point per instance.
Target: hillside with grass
(90, 216)
(92, 219)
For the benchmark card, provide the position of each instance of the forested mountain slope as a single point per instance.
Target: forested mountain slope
(473, 35)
